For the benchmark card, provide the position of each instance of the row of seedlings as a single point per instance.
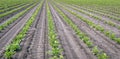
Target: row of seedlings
(7, 23)
(98, 18)
(108, 22)
(102, 11)
(95, 50)
(11, 8)
(110, 16)
(14, 10)
(108, 33)
(55, 51)
(6, 4)
(14, 46)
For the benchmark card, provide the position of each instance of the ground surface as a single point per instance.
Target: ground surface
(36, 43)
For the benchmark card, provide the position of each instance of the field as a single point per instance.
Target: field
(59, 29)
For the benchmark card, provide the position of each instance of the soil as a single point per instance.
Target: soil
(73, 47)
(112, 49)
(4, 19)
(101, 23)
(103, 17)
(7, 37)
(36, 45)
(39, 46)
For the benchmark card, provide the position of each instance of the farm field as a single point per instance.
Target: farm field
(59, 29)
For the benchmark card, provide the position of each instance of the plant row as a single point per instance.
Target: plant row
(9, 3)
(14, 10)
(100, 54)
(103, 10)
(85, 4)
(6, 4)
(56, 51)
(108, 33)
(100, 11)
(105, 14)
(98, 18)
(10, 8)
(12, 48)
(7, 23)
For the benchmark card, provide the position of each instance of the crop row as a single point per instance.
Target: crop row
(12, 48)
(98, 18)
(105, 14)
(100, 54)
(10, 8)
(12, 11)
(111, 10)
(6, 4)
(56, 51)
(7, 23)
(9, 3)
(108, 33)
(100, 11)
